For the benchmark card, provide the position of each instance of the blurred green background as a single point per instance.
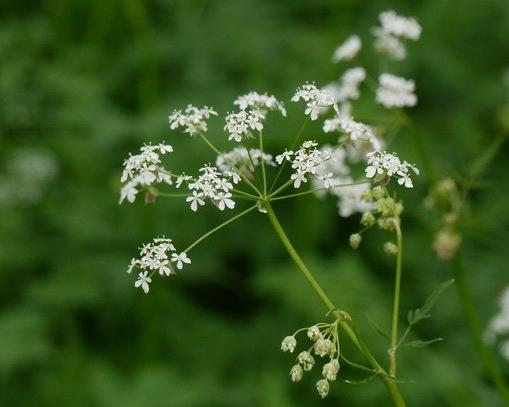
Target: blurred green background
(82, 83)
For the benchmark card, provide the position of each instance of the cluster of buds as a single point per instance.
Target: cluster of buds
(385, 214)
(325, 343)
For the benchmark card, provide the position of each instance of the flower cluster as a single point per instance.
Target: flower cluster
(325, 343)
(260, 102)
(393, 31)
(144, 169)
(348, 50)
(307, 161)
(214, 185)
(316, 99)
(387, 164)
(385, 211)
(159, 255)
(192, 119)
(355, 131)
(348, 86)
(241, 125)
(499, 324)
(394, 91)
(242, 160)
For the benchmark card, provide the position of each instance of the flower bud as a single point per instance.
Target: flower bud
(288, 344)
(390, 248)
(314, 333)
(322, 386)
(296, 373)
(355, 240)
(306, 360)
(330, 370)
(367, 219)
(446, 244)
(324, 347)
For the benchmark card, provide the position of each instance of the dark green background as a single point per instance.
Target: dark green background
(89, 81)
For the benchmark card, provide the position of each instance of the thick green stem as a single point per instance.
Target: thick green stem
(395, 308)
(469, 309)
(342, 317)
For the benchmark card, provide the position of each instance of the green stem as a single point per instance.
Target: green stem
(312, 191)
(222, 225)
(469, 309)
(263, 165)
(395, 308)
(347, 326)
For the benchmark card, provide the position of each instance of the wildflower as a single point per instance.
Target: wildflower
(348, 49)
(240, 125)
(400, 26)
(322, 386)
(389, 45)
(390, 248)
(306, 360)
(355, 131)
(296, 373)
(315, 99)
(351, 199)
(330, 370)
(394, 91)
(324, 347)
(192, 119)
(355, 240)
(288, 344)
(180, 259)
(243, 160)
(223, 201)
(195, 200)
(314, 333)
(262, 103)
(143, 281)
(383, 163)
(144, 169)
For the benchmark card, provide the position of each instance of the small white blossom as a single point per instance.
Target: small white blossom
(223, 201)
(400, 26)
(389, 45)
(192, 119)
(181, 179)
(324, 347)
(214, 185)
(394, 91)
(262, 103)
(322, 386)
(195, 200)
(241, 125)
(143, 281)
(315, 99)
(356, 131)
(180, 259)
(348, 49)
(288, 344)
(144, 169)
(330, 370)
(296, 373)
(306, 360)
(240, 158)
(383, 163)
(314, 333)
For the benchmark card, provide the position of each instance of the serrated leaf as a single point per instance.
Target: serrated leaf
(422, 313)
(420, 344)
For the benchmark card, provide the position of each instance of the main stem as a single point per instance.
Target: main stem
(395, 309)
(470, 312)
(348, 328)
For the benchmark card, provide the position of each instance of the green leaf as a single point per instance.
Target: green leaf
(377, 328)
(422, 313)
(420, 344)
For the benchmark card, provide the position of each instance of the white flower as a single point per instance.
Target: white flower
(330, 370)
(296, 373)
(181, 179)
(286, 155)
(288, 344)
(223, 201)
(306, 360)
(383, 163)
(180, 259)
(324, 347)
(240, 158)
(400, 26)
(499, 324)
(263, 103)
(240, 125)
(351, 199)
(394, 91)
(322, 386)
(315, 99)
(192, 119)
(348, 50)
(144, 169)
(195, 200)
(356, 131)
(314, 333)
(389, 45)
(143, 281)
